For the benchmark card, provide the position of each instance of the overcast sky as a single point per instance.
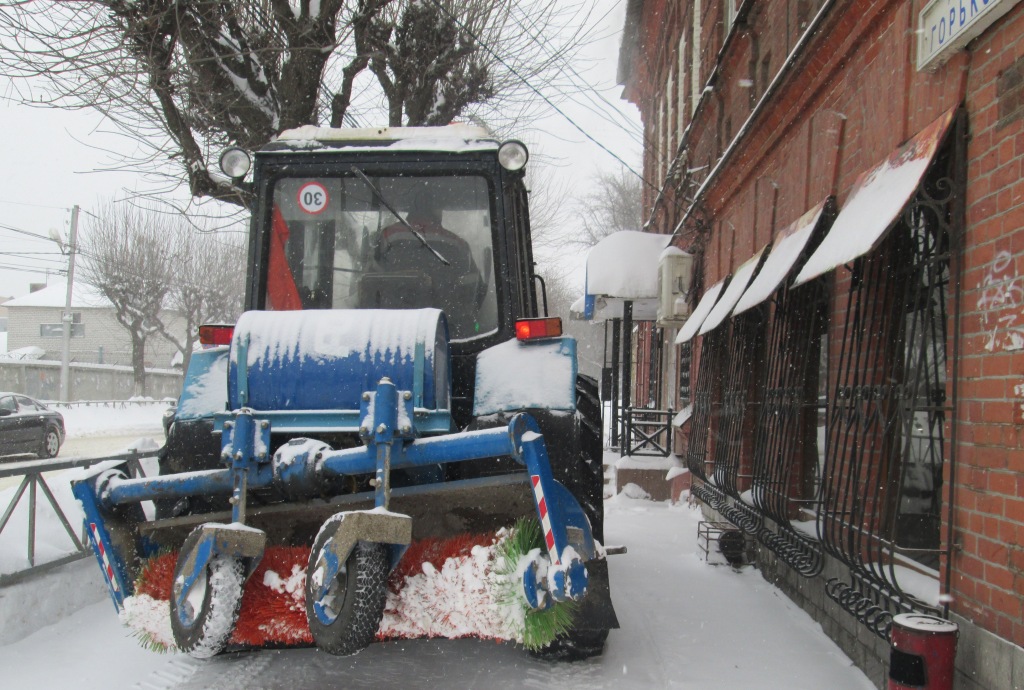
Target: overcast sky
(55, 159)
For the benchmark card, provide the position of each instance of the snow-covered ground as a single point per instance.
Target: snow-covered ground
(103, 419)
(685, 624)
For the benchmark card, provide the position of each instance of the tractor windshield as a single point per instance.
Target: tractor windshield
(337, 244)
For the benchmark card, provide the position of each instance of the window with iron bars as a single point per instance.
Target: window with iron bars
(685, 363)
(881, 486)
(850, 415)
(788, 442)
(707, 395)
(740, 402)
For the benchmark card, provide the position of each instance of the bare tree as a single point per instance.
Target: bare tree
(613, 204)
(206, 283)
(187, 77)
(125, 257)
(157, 271)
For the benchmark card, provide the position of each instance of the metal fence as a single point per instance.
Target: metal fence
(647, 432)
(34, 482)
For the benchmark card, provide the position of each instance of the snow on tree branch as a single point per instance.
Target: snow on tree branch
(185, 78)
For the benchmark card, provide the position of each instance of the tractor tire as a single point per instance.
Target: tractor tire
(346, 620)
(50, 445)
(203, 628)
(588, 487)
(585, 479)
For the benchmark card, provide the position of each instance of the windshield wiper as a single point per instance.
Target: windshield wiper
(403, 221)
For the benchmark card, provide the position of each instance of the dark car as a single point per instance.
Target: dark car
(29, 426)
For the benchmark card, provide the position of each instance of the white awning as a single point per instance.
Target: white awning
(878, 197)
(707, 302)
(738, 284)
(683, 416)
(786, 249)
(623, 267)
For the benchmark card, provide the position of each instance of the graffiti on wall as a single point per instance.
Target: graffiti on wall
(1001, 304)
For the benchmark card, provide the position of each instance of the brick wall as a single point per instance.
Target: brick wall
(988, 563)
(852, 95)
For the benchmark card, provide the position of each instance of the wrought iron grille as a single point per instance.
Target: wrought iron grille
(786, 442)
(685, 362)
(706, 392)
(740, 403)
(881, 491)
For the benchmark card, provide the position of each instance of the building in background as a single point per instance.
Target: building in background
(3, 324)
(34, 320)
(850, 177)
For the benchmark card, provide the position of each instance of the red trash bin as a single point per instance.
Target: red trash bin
(922, 652)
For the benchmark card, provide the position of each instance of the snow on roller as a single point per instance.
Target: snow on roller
(394, 391)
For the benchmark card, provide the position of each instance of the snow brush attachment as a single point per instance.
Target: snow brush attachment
(346, 572)
(517, 561)
(272, 612)
(463, 586)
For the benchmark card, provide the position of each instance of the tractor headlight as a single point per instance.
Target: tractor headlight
(235, 162)
(513, 155)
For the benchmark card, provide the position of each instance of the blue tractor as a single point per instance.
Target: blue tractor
(393, 378)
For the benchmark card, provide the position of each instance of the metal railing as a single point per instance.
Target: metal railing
(647, 432)
(34, 482)
(116, 404)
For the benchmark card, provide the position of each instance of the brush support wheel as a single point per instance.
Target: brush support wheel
(344, 616)
(203, 621)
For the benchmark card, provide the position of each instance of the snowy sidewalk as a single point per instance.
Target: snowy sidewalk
(685, 624)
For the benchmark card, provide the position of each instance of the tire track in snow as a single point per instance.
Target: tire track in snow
(233, 671)
(177, 671)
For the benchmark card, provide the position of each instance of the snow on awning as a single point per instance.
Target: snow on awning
(878, 197)
(786, 249)
(623, 267)
(576, 309)
(738, 284)
(683, 416)
(707, 302)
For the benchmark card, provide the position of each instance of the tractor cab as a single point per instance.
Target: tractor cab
(397, 218)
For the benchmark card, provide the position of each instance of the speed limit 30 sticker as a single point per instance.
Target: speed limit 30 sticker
(313, 197)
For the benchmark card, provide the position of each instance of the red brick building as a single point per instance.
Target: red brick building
(850, 176)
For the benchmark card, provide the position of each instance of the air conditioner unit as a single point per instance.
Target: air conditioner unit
(675, 275)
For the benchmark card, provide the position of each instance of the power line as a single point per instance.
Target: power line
(599, 105)
(25, 203)
(547, 100)
(23, 269)
(25, 232)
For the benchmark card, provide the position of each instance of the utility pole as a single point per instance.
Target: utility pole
(65, 357)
